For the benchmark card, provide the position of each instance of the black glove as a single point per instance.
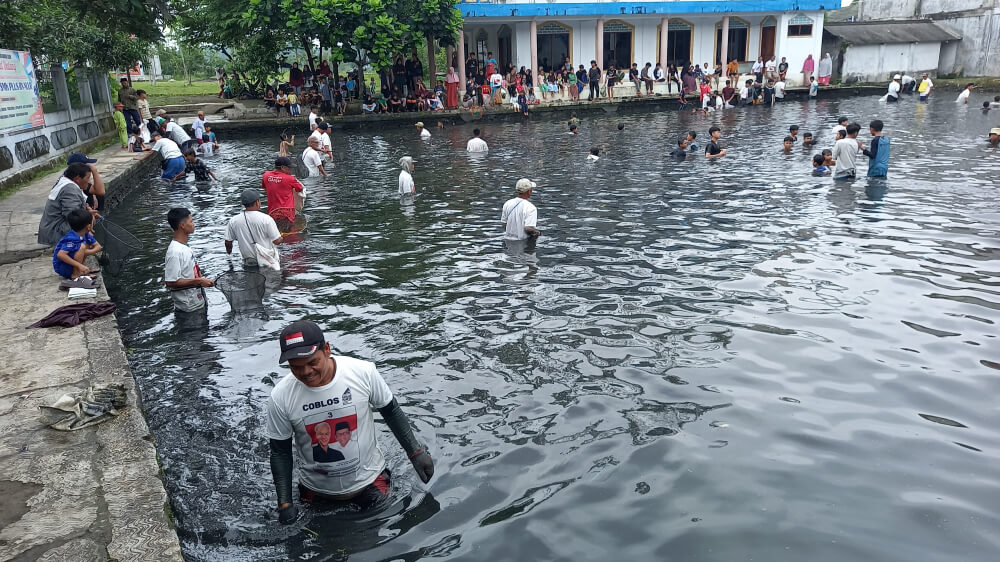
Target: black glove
(288, 514)
(423, 464)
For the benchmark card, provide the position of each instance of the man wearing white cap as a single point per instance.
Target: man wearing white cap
(519, 216)
(894, 87)
(994, 138)
(424, 133)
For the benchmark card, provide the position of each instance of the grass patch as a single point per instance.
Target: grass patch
(177, 88)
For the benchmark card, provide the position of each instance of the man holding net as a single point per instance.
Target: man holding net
(280, 186)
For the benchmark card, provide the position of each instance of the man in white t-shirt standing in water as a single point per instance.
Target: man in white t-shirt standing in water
(181, 273)
(476, 144)
(251, 228)
(322, 136)
(312, 159)
(519, 217)
(325, 390)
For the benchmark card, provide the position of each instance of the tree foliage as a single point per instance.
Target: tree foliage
(361, 31)
(107, 33)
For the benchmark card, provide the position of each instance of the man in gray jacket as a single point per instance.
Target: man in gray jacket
(66, 195)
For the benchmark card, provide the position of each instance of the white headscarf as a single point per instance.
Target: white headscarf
(406, 163)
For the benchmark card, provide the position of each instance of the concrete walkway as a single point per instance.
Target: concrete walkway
(21, 211)
(88, 495)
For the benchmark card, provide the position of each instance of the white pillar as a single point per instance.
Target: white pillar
(533, 37)
(724, 47)
(461, 61)
(600, 43)
(664, 25)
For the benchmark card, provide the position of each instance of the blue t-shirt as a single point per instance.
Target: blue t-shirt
(71, 243)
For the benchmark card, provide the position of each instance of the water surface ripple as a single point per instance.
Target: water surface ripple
(711, 361)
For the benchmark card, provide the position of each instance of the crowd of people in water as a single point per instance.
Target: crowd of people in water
(324, 407)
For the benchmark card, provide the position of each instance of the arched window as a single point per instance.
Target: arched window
(554, 44)
(481, 47)
(680, 40)
(618, 40)
(504, 48)
(739, 39)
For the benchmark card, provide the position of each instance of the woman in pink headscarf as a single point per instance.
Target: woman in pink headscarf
(451, 88)
(807, 69)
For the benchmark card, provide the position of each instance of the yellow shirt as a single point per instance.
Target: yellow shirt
(293, 99)
(923, 86)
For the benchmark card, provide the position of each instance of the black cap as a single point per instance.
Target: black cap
(282, 161)
(300, 340)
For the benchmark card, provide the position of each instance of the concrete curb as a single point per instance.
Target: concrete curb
(90, 495)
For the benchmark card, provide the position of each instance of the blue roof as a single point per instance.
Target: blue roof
(555, 9)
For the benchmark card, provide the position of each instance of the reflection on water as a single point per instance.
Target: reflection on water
(697, 361)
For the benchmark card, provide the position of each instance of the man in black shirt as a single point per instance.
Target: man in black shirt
(712, 149)
(680, 153)
(768, 95)
(595, 80)
(194, 166)
(471, 66)
(414, 71)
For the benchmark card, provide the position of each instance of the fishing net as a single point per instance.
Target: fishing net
(243, 289)
(118, 246)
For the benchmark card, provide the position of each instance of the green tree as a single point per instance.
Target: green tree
(107, 33)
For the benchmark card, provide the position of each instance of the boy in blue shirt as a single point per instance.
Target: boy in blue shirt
(819, 165)
(72, 250)
(878, 152)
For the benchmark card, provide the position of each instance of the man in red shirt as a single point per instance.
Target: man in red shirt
(280, 185)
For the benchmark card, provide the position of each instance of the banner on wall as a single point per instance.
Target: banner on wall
(20, 102)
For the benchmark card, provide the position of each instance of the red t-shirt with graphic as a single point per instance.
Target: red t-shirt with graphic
(279, 187)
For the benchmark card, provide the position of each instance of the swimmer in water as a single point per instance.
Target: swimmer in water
(680, 153)
(819, 166)
(595, 155)
(828, 160)
(286, 143)
(786, 145)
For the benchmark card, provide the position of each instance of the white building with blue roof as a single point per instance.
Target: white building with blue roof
(537, 34)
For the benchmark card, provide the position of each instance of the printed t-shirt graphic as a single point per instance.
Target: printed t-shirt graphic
(344, 407)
